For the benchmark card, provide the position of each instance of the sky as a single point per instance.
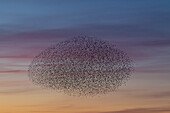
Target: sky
(138, 27)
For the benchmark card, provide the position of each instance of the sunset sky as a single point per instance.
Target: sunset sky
(141, 28)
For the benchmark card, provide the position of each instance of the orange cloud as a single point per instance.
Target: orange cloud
(17, 91)
(140, 110)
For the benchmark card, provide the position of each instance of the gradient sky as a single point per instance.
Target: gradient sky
(139, 27)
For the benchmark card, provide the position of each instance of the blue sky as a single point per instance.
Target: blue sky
(31, 15)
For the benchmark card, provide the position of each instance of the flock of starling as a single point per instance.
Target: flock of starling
(81, 66)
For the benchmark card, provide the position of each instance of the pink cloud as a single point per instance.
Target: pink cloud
(14, 71)
(21, 56)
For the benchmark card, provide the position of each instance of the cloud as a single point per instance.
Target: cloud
(123, 35)
(42, 111)
(141, 43)
(113, 31)
(145, 93)
(152, 69)
(154, 43)
(164, 94)
(140, 110)
(21, 56)
(14, 83)
(149, 43)
(17, 91)
(143, 110)
(13, 71)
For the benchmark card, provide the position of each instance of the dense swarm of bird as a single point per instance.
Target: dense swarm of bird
(81, 66)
